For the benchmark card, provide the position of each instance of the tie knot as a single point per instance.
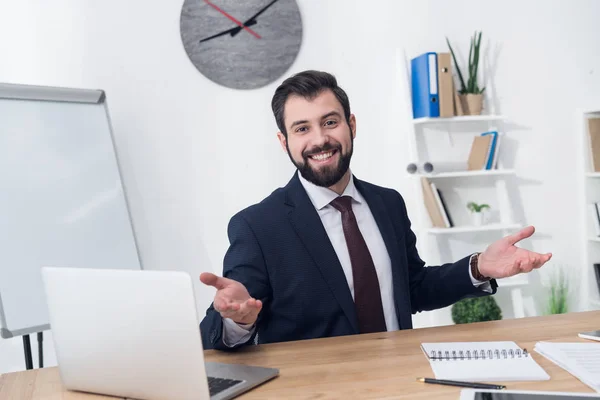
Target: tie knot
(342, 203)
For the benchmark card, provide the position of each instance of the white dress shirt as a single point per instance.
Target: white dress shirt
(331, 218)
(321, 198)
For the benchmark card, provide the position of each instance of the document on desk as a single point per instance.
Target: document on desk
(482, 361)
(581, 360)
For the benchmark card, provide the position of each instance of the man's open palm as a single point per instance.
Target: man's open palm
(503, 259)
(232, 299)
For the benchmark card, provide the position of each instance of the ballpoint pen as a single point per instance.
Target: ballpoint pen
(473, 385)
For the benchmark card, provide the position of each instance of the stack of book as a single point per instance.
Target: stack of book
(436, 207)
(594, 215)
(484, 151)
(594, 132)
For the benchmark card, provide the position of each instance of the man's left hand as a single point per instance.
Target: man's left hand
(503, 259)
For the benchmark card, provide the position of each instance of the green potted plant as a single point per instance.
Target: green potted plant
(476, 309)
(470, 94)
(558, 293)
(477, 212)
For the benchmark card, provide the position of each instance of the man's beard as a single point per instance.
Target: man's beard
(325, 176)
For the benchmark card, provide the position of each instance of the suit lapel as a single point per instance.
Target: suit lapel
(307, 223)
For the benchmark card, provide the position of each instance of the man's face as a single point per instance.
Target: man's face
(319, 139)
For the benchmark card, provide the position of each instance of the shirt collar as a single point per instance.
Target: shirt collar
(322, 196)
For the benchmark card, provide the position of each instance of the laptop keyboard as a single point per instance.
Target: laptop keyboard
(217, 385)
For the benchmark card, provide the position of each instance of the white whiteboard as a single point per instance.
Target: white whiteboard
(62, 202)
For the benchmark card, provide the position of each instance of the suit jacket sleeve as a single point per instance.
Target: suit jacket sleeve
(435, 287)
(244, 262)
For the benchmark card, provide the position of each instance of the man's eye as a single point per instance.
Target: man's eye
(302, 129)
(330, 122)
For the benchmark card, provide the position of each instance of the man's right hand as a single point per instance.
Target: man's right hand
(232, 299)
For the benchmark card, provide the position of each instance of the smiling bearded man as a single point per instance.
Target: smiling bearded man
(329, 254)
(325, 171)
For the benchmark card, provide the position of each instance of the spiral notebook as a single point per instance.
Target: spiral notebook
(482, 361)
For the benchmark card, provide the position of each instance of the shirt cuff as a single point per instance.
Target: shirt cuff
(234, 333)
(483, 285)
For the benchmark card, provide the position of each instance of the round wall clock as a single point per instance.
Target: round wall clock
(241, 44)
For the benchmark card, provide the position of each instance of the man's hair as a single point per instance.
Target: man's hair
(307, 84)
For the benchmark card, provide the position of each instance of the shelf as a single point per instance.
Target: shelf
(593, 174)
(459, 119)
(466, 229)
(591, 111)
(467, 174)
(512, 282)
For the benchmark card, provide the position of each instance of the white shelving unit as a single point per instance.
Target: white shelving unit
(436, 244)
(466, 174)
(459, 119)
(473, 229)
(590, 193)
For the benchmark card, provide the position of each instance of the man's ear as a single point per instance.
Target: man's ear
(352, 122)
(282, 141)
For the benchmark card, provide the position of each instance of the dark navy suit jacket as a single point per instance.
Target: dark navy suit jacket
(280, 251)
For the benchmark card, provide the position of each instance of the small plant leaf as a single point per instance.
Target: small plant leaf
(460, 76)
(558, 301)
(476, 207)
(470, 84)
(477, 45)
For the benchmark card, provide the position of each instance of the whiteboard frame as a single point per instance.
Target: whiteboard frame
(11, 91)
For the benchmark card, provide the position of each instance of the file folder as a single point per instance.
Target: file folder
(424, 82)
(446, 94)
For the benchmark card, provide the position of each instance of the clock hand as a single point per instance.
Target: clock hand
(252, 20)
(238, 29)
(228, 31)
(233, 19)
(260, 12)
(232, 32)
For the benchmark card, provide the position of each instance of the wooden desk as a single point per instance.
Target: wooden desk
(381, 365)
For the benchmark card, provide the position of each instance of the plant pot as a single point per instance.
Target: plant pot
(477, 218)
(472, 104)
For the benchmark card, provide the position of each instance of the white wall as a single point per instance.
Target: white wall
(194, 153)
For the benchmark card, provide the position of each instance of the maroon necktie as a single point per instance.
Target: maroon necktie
(367, 294)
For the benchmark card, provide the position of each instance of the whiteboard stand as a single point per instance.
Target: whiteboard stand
(27, 349)
(63, 203)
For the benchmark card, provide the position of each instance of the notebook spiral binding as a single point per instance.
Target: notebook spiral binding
(478, 354)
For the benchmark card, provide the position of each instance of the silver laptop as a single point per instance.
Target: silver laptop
(135, 334)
